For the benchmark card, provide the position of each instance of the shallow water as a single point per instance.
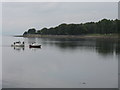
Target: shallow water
(60, 63)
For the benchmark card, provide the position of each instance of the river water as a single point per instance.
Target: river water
(60, 63)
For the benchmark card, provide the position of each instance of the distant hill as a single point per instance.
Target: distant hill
(103, 26)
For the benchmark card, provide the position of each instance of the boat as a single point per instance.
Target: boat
(34, 46)
(18, 44)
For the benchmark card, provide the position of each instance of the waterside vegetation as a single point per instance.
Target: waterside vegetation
(104, 28)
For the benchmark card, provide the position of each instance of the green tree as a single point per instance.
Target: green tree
(103, 26)
(31, 31)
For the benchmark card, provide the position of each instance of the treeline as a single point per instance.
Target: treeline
(103, 26)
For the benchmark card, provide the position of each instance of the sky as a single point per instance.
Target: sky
(18, 17)
(59, 0)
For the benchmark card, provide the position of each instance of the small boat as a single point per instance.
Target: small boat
(34, 46)
(18, 44)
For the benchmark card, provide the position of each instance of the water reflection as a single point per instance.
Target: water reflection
(30, 40)
(34, 49)
(106, 47)
(103, 47)
(118, 47)
(67, 43)
(61, 63)
(19, 48)
(23, 48)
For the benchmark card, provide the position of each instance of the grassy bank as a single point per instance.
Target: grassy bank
(91, 36)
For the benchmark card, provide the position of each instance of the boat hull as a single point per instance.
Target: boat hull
(18, 45)
(34, 46)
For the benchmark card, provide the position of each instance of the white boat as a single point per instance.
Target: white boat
(18, 44)
(33, 45)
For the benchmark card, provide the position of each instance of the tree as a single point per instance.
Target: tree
(32, 31)
(103, 26)
(25, 33)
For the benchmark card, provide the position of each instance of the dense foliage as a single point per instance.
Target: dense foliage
(104, 26)
(30, 31)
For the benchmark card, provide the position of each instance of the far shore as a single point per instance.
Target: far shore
(90, 36)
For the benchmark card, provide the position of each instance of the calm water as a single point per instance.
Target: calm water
(60, 63)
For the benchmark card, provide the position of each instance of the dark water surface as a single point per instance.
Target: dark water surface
(60, 63)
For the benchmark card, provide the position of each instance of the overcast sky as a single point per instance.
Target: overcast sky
(19, 17)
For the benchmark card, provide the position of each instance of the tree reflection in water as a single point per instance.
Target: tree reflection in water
(102, 46)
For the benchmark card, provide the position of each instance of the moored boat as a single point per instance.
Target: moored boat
(34, 46)
(18, 44)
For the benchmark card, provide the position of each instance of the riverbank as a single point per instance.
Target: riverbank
(90, 36)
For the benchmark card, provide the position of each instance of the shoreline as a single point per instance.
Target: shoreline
(92, 36)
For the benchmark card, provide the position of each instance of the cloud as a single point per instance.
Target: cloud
(18, 17)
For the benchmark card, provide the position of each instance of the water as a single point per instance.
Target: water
(60, 63)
